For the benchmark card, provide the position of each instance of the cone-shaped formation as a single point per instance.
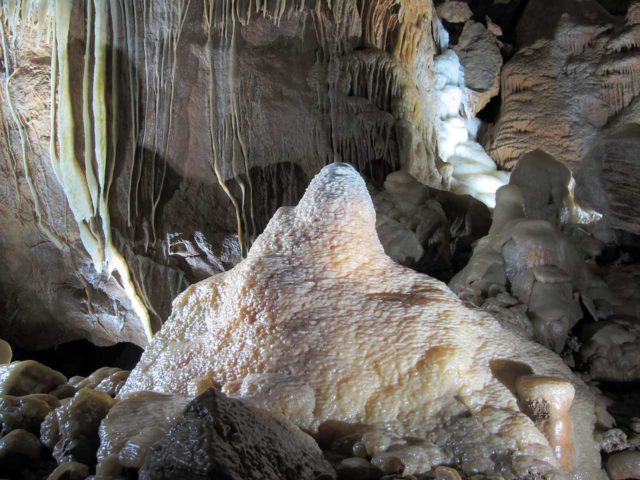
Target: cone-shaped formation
(320, 325)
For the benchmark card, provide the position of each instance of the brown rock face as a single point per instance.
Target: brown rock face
(566, 84)
(146, 144)
(319, 325)
(72, 429)
(481, 60)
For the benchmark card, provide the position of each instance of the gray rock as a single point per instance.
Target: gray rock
(454, 11)
(133, 426)
(481, 60)
(220, 437)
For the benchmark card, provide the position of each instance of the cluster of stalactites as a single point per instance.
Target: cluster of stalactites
(85, 176)
(381, 73)
(20, 13)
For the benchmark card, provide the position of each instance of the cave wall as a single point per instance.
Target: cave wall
(146, 144)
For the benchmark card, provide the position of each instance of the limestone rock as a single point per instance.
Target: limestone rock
(5, 352)
(611, 342)
(540, 19)
(64, 391)
(70, 471)
(204, 256)
(109, 175)
(614, 440)
(400, 242)
(535, 255)
(454, 11)
(25, 412)
(608, 177)
(624, 465)
(18, 449)
(274, 330)
(481, 61)
(409, 459)
(559, 91)
(105, 379)
(611, 350)
(221, 437)
(426, 229)
(28, 376)
(493, 27)
(113, 383)
(357, 468)
(93, 380)
(526, 251)
(72, 429)
(466, 167)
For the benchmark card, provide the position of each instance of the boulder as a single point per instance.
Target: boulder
(220, 437)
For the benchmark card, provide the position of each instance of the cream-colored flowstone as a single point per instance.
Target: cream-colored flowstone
(320, 325)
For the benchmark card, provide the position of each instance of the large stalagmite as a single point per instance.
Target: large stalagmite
(319, 325)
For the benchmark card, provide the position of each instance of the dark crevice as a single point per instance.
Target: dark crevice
(82, 357)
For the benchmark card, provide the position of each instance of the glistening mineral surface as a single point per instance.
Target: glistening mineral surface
(319, 325)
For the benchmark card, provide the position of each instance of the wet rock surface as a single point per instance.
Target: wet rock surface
(26, 412)
(40, 430)
(73, 428)
(70, 471)
(134, 425)
(624, 465)
(29, 376)
(219, 437)
(18, 448)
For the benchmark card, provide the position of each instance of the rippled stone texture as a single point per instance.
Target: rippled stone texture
(319, 325)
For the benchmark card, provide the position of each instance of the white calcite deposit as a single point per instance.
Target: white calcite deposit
(528, 257)
(472, 170)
